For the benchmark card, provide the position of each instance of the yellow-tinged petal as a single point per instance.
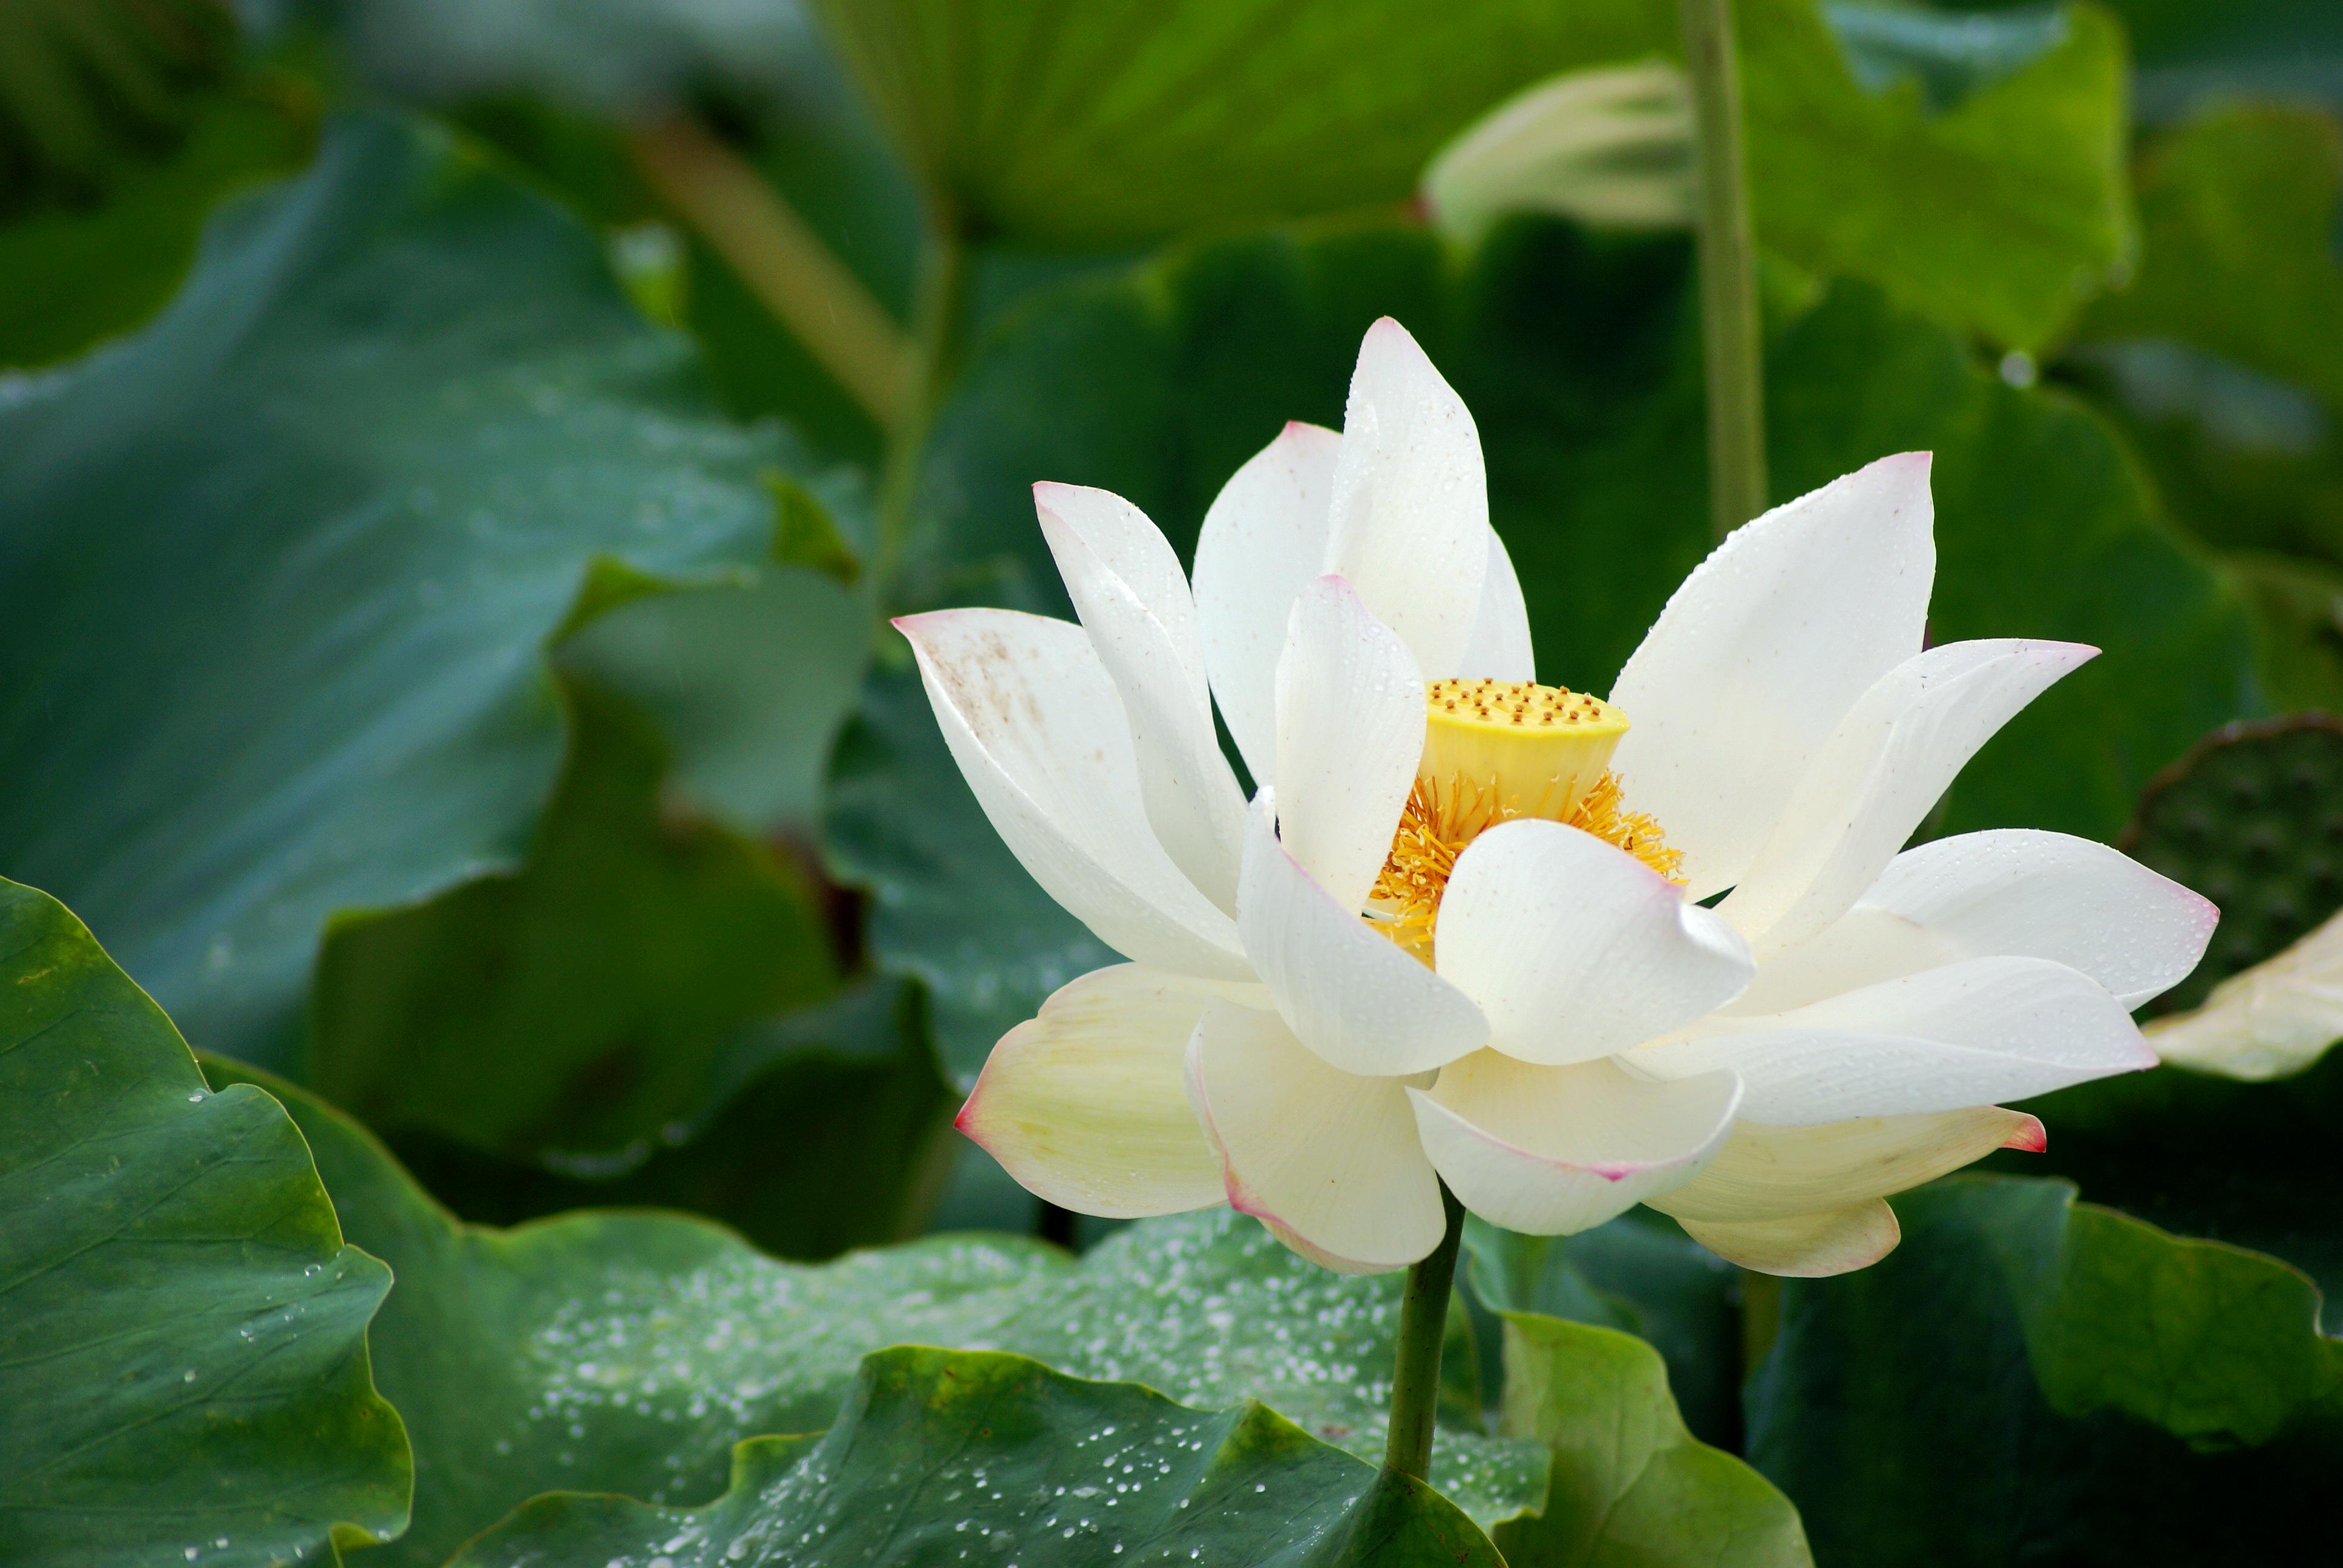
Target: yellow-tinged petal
(1774, 1173)
(1086, 1105)
(1805, 1246)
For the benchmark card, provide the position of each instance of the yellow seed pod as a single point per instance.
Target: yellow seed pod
(1527, 750)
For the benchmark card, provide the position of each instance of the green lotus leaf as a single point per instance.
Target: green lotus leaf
(283, 571)
(937, 1453)
(629, 1351)
(183, 1330)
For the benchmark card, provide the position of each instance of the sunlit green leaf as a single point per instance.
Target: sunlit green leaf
(1997, 206)
(629, 1351)
(1631, 1486)
(943, 1453)
(183, 1333)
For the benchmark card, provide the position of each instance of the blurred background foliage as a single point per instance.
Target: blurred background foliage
(457, 458)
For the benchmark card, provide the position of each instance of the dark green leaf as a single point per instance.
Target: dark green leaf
(2027, 1378)
(183, 1333)
(610, 56)
(812, 1132)
(279, 571)
(470, 1014)
(2253, 820)
(1579, 360)
(2190, 55)
(71, 276)
(939, 1454)
(90, 85)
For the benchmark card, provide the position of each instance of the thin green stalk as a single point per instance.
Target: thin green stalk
(1733, 350)
(1422, 1326)
(939, 319)
(782, 261)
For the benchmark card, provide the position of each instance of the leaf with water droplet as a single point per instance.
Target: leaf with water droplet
(915, 1419)
(147, 1226)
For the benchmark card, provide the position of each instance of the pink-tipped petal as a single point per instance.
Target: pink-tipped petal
(1328, 1161)
(1774, 1173)
(2022, 892)
(1949, 1039)
(1553, 1151)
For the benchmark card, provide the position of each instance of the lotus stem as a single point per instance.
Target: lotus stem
(784, 262)
(1422, 1326)
(938, 321)
(1733, 351)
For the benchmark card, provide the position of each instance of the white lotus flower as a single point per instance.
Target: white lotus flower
(1463, 930)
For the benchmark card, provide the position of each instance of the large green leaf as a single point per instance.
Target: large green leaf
(281, 570)
(1120, 123)
(2238, 212)
(1631, 1486)
(616, 1350)
(1992, 199)
(629, 1351)
(1580, 360)
(937, 1453)
(2191, 53)
(183, 1333)
(2027, 1378)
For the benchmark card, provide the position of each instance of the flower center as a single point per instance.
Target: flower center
(1494, 750)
